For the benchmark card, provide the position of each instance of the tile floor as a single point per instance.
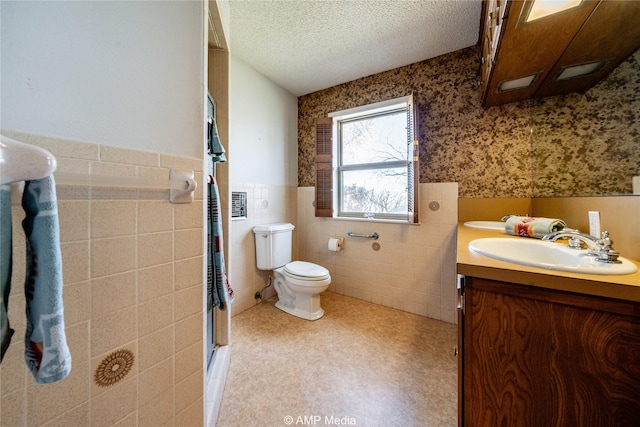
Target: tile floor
(362, 364)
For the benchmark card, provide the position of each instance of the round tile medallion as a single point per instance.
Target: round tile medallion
(113, 368)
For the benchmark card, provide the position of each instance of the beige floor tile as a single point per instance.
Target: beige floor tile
(374, 365)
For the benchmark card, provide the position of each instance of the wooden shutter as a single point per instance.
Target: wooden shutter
(324, 168)
(414, 160)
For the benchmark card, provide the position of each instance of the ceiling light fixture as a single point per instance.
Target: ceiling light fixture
(541, 8)
(580, 70)
(519, 83)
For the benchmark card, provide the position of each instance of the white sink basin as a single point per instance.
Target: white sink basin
(549, 255)
(486, 225)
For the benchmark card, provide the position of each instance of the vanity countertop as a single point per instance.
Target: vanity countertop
(625, 287)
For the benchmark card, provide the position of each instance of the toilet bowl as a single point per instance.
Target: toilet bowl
(297, 283)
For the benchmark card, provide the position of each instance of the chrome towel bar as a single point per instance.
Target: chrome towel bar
(180, 183)
(373, 235)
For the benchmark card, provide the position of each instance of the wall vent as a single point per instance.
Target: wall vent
(238, 205)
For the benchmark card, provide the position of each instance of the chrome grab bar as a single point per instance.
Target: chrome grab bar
(373, 235)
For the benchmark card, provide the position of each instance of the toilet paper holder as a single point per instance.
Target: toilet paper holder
(335, 244)
(373, 235)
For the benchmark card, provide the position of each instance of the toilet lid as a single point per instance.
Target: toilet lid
(305, 269)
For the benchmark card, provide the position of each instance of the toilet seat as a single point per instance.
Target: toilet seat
(301, 270)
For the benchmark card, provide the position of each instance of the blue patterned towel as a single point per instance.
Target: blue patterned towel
(46, 351)
(219, 288)
(5, 267)
(216, 150)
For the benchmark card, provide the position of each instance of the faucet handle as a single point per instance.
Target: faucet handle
(605, 252)
(605, 240)
(609, 255)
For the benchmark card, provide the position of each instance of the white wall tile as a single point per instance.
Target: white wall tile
(121, 279)
(413, 271)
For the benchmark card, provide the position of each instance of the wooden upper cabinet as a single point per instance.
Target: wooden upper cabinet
(611, 34)
(595, 30)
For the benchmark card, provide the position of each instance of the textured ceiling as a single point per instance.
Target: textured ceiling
(308, 45)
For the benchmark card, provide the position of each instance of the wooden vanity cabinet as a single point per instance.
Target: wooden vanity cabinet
(537, 357)
(596, 30)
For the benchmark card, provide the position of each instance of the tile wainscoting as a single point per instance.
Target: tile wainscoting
(265, 204)
(415, 268)
(133, 279)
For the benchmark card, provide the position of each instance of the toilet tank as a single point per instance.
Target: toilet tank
(273, 245)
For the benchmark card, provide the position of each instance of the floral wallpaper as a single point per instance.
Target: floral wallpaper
(488, 151)
(586, 144)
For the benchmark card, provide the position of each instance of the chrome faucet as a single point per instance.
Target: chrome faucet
(599, 248)
(575, 238)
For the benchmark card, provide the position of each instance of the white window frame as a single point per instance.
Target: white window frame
(378, 108)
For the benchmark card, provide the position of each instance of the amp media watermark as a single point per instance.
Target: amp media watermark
(319, 420)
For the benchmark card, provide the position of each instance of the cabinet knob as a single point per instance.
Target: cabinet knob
(455, 350)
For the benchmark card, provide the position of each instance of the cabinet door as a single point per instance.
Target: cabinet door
(595, 360)
(534, 357)
(506, 345)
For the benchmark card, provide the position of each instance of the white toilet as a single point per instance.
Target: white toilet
(297, 283)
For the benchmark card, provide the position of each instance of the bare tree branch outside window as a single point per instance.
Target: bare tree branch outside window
(374, 163)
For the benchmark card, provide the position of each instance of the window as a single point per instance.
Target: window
(372, 164)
